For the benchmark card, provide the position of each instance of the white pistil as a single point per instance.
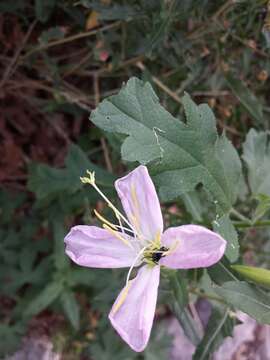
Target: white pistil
(140, 253)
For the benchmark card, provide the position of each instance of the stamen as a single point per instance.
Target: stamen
(117, 235)
(105, 221)
(120, 223)
(125, 229)
(91, 180)
(122, 298)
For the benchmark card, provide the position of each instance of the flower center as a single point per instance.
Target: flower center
(153, 254)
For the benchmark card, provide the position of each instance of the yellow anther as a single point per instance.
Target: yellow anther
(90, 179)
(91, 176)
(122, 298)
(117, 235)
(105, 221)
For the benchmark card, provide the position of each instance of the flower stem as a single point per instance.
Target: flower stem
(178, 305)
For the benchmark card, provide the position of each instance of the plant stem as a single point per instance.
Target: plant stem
(71, 38)
(240, 216)
(181, 312)
(207, 296)
(240, 224)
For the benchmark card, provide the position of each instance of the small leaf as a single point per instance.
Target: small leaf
(50, 293)
(256, 154)
(262, 208)
(246, 298)
(71, 308)
(257, 275)
(46, 181)
(246, 98)
(92, 20)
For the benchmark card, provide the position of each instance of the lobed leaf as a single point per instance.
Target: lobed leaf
(181, 155)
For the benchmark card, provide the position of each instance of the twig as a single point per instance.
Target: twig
(214, 18)
(106, 154)
(213, 93)
(78, 65)
(207, 296)
(71, 38)
(71, 97)
(160, 84)
(106, 70)
(102, 140)
(11, 68)
(228, 128)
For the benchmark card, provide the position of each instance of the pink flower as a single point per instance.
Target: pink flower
(143, 243)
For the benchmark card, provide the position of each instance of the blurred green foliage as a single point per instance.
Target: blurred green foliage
(59, 60)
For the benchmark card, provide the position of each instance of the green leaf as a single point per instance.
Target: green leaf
(225, 228)
(10, 336)
(246, 298)
(218, 327)
(221, 272)
(193, 205)
(258, 275)
(178, 303)
(71, 308)
(182, 155)
(262, 207)
(50, 293)
(44, 9)
(256, 154)
(60, 258)
(179, 288)
(246, 98)
(46, 181)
